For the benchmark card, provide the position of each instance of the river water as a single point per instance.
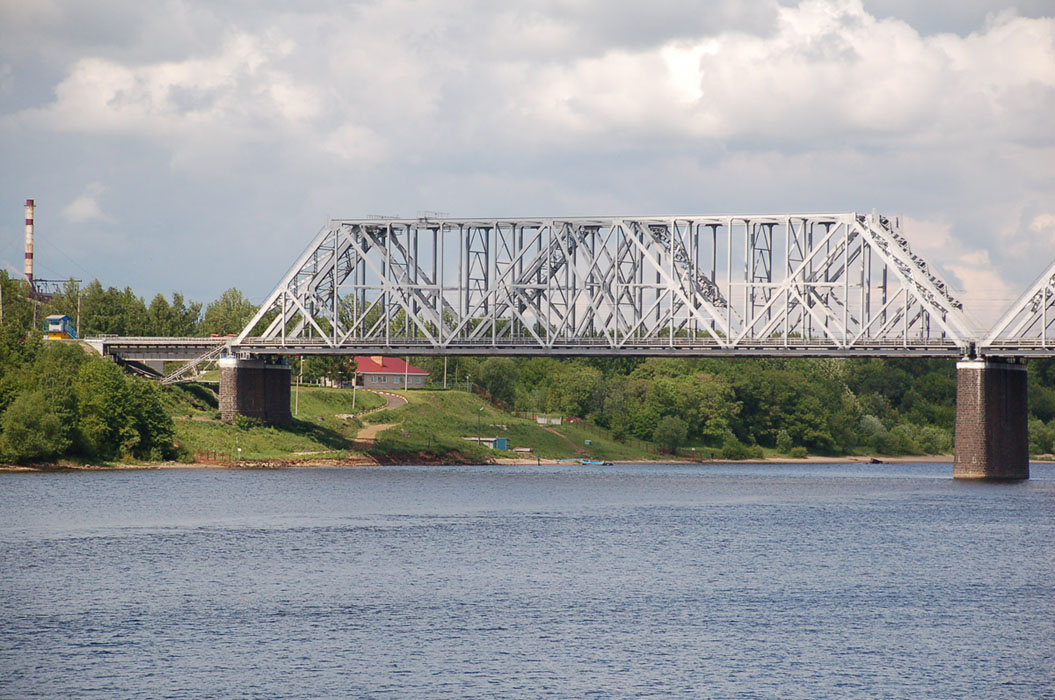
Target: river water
(778, 581)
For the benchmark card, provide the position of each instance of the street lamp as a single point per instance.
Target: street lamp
(479, 411)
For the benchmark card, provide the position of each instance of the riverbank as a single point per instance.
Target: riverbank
(336, 428)
(365, 460)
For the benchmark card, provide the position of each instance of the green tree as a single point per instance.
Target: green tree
(336, 368)
(33, 430)
(150, 420)
(933, 440)
(111, 311)
(1041, 437)
(670, 433)
(178, 319)
(106, 428)
(497, 376)
(897, 441)
(574, 389)
(228, 314)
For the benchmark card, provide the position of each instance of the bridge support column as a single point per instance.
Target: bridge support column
(256, 389)
(992, 442)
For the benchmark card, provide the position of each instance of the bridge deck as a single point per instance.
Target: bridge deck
(185, 349)
(679, 347)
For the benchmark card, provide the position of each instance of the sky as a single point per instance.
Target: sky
(194, 146)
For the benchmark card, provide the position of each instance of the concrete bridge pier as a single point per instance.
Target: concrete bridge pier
(255, 388)
(992, 441)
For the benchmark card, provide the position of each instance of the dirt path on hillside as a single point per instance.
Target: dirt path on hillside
(574, 447)
(370, 432)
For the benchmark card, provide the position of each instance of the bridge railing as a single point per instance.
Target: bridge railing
(587, 346)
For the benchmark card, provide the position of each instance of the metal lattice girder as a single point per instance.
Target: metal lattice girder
(1028, 328)
(836, 284)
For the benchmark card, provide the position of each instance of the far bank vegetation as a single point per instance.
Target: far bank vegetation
(57, 401)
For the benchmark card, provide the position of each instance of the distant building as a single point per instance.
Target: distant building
(59, 327)
(378, 372)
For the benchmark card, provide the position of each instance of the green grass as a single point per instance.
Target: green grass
(431, 423)
(315, 430)
(438, 421)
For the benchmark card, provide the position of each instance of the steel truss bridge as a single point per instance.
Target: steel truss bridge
(837, 284)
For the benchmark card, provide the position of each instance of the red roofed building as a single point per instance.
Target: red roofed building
(388, 373)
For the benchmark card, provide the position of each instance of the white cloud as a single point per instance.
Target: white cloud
(1044, 224)
(977, 283)
(356, 144)
(85, 207)
(833, 69)
(280, 117)
(234, 94)
(829, 68)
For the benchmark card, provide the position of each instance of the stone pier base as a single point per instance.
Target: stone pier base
(992, 441)
(255, 389)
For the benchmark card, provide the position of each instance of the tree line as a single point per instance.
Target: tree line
(111, 311)
(55, 399)
(736, 407)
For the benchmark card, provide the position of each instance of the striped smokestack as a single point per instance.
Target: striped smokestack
(29, 241)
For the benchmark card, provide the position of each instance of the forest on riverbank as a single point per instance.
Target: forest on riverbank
(825, 406)
(57, 400)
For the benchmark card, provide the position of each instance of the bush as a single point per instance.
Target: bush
(897, 441)
(1041, 437)
(670, 432)
(33, 430)
(871, 426)
(933, 440)
(798, 452)
(245, 422)
(734, 449)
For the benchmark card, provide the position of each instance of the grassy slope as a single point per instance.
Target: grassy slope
(436, 421)
(316, 429)
(432, 422)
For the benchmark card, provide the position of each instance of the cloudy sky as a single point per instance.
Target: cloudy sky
(193, 146)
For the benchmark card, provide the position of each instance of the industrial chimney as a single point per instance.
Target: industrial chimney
(29, 241)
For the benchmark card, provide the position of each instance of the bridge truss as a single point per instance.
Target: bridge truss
(807, 284)
(1028, 328)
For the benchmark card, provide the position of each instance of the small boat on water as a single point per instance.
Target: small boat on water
(595, 462)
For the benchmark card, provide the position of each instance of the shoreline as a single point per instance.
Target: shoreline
(369, 461)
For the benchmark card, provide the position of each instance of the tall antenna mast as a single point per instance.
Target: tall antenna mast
(29, 242)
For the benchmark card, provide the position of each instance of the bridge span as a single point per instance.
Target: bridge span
(821, 284)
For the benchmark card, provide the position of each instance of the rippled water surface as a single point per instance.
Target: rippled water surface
(850, 581)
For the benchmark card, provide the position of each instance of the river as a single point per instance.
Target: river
(774, 581)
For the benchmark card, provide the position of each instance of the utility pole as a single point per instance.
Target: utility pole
(444, 371)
